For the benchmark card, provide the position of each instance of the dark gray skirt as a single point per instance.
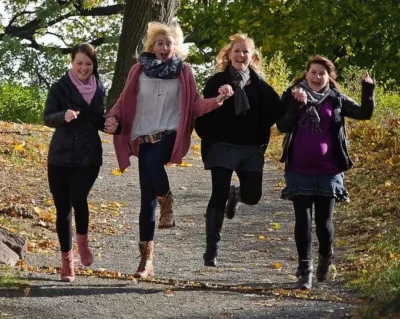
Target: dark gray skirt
(235, 157)
(319, 185)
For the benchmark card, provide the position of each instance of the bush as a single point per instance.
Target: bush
(21, 104)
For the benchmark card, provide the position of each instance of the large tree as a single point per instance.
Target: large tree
(136, 16)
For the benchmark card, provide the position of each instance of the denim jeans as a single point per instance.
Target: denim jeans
(153, 181)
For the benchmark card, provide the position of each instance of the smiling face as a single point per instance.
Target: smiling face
(82, 66)
(317, 77)
(240, 55)
(164, 47)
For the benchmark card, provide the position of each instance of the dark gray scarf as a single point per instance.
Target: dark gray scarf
(314, 99)
(239, 80)
(154, 68)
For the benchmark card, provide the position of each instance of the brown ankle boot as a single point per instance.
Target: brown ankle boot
(67, 269)
(166, 216)
(83, 249)
(145, 268)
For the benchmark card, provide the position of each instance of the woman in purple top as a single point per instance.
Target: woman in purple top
(315, 156)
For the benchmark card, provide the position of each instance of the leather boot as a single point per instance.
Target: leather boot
(323, 266)
(67, 268)
(233, 202)
(214, 221)
(145, 268)
(83, 248)
(304, 275)
(166, 215)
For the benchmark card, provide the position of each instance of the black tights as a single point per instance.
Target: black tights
(70, 187)
(250, 187)
(324, 207)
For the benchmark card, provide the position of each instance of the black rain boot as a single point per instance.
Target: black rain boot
(233, 202)
(214, 221)
(323, 266)
(304, 275)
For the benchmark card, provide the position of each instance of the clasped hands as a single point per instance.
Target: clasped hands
(224, 92)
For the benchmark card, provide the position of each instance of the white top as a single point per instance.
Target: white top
(158, 106)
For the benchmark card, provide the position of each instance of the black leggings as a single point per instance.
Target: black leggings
(250, 187)
(324, 207)
(70, 187)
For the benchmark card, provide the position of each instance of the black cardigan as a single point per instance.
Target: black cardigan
(253, 128)
(76, 143)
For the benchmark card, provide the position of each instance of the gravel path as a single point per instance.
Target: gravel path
(246, 285)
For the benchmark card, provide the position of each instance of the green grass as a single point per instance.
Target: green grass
(10, 279)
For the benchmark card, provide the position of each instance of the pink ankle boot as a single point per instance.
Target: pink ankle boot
(67, 269)
(83, 249)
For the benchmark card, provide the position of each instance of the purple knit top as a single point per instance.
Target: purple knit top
(312, 152)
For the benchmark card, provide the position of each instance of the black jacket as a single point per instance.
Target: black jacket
(223, 125)
(343, 107)
(76, 143)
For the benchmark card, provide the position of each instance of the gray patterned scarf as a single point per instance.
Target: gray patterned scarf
(314, 99)
(239, 80)
(154, 68)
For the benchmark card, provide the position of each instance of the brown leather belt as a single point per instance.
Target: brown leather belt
(155, 137)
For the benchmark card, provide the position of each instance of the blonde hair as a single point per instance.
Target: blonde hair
(155, 29)
(223, 55)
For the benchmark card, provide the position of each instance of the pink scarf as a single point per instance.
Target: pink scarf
(86, 90)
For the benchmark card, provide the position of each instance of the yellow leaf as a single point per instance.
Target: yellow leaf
(19, 147)
(261, 237)
(392, 256)
(277, 266)
(105, 141)
(197, 153)
(277, 226)
(196, 147)
(37, 210)
(388, 183)
(185, 164)
(116, 172)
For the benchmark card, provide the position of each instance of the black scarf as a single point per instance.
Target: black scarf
(239, 80)
(314, 99)
(154, 68)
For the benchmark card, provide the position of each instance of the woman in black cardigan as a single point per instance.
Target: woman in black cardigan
(236, 135)
(75, 108)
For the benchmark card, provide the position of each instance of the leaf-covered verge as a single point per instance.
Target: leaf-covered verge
(368, 228)
(26, 206)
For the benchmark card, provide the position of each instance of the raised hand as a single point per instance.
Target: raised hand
(367, 78)
(70, 115)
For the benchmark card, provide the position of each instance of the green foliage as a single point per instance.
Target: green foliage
(277, 73)
(345, 31)
(21, 104)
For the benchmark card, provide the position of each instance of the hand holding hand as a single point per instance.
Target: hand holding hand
(224, 91)
(300, 95)
(367, 78)
(110, 125)
(70, 115)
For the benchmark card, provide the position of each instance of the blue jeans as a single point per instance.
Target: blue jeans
(153, 181)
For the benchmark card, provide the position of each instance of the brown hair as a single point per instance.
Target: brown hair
(88, 50)
(327, 64)
(223, 55)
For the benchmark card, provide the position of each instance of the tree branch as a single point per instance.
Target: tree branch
(28, 30)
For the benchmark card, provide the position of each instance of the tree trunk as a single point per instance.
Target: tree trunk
(137, 14)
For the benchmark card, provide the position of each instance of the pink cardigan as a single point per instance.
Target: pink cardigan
(124, 111)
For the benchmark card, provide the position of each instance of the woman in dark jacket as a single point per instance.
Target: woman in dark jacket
(75, 108)
(315, 156)
(235, 136)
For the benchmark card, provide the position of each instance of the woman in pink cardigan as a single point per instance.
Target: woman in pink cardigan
(155, 116)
